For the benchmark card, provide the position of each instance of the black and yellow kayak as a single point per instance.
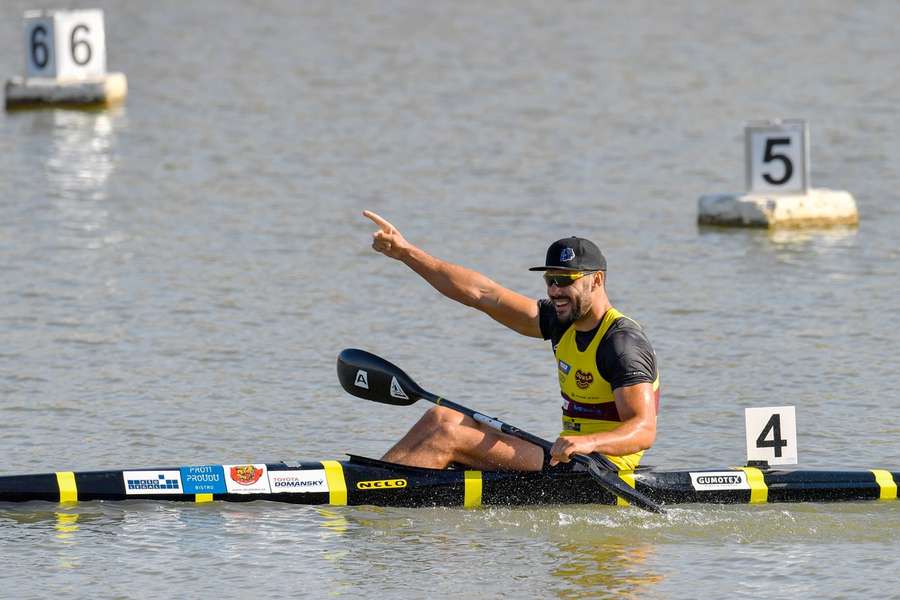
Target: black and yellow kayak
(365, 481)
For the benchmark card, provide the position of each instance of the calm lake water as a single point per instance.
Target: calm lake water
(177, 276)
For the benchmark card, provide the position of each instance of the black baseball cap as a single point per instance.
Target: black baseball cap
(573, 254)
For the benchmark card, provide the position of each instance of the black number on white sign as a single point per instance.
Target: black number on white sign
(777, 442)
(770, 156)
(81, 50)
(40, 54)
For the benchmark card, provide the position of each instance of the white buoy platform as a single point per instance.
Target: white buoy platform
(779, 193)
(65, 62)
(817, 207)
(101, 90)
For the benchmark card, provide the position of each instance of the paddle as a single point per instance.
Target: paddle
(371, 377)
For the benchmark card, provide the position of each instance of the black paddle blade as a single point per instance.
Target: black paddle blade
(371, 377)
(611, 481)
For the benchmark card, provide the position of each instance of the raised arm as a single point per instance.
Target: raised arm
(466, 286)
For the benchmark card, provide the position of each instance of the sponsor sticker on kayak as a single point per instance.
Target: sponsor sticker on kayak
(709, 481)
(205, 479)
(298, 482)
(382, 484)
(152, 482)
(246, 479)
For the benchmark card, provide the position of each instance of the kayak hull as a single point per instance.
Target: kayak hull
(364, 481)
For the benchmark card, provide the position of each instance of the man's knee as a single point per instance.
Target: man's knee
(443, 421)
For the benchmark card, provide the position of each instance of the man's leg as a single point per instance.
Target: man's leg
(443, 436)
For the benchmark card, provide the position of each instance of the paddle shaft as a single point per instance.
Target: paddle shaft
(511, 430)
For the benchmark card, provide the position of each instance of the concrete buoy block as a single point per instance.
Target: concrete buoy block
(817, 207)
(107, 89)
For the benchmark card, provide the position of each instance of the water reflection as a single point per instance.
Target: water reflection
(786, 236)
(80, 156)
(785, 246)
(334, 522)
(589, 570)
(66, 525)
(60, 526)
(77, 154)
(391, 548)
(827, 236)
(61, 521)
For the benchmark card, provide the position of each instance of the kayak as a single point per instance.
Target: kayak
(366, 481)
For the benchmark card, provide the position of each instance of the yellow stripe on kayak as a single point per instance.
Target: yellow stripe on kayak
(68, 491)
(627, 477)
(337, 486)
(887, 484)
(473, 489)
(203, 498)
(759, 492)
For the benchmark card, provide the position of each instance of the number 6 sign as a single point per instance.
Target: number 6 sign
(771, 435)
(777, 156)
(65, 44)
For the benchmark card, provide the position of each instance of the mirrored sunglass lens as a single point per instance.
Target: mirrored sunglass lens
(562, 280)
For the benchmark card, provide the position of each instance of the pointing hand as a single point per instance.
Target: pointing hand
(387, 239)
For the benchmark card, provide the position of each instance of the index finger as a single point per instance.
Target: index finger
(383, 223)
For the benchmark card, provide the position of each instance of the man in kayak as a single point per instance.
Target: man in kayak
(607, 369)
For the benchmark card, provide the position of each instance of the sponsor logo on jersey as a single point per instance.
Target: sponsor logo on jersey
(564, 367)
(583, 380)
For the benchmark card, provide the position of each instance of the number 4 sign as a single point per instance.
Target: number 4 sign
(771, 435)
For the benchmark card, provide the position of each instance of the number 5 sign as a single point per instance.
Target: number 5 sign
(65, 44)
(777, 156)
(771, 435)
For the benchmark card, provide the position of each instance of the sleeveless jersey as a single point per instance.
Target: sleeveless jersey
(589, 405)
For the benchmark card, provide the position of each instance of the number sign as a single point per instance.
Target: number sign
(777, 156)
(65, 44)
(771, 435)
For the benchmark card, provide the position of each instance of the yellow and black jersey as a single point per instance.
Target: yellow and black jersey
(592, 364)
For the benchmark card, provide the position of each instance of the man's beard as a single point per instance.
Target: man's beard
(580, 307)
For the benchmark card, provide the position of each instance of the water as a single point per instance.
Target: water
(177, 276)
